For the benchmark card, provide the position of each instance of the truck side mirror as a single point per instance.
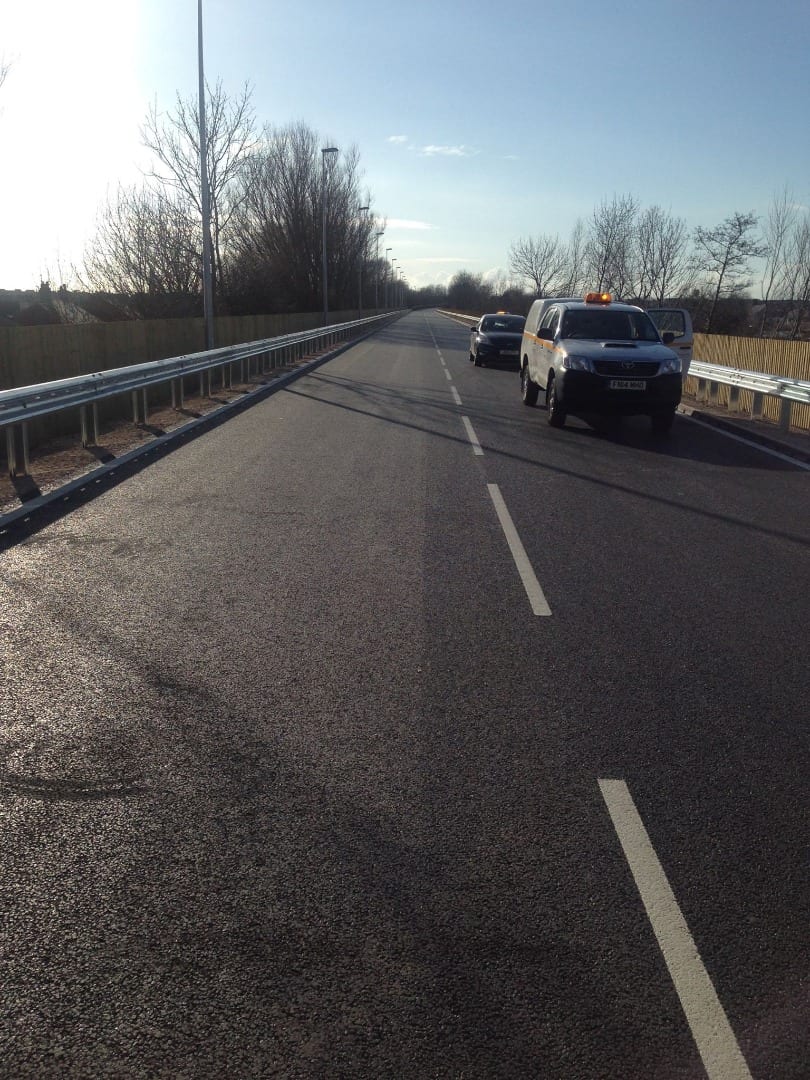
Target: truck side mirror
(668, 337)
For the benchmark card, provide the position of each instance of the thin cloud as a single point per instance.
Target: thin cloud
(405, 223)
(397, 138)
(443, 259)
(446, 151)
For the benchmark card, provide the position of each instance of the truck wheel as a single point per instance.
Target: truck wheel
(662, 422)
(528, 389)
(556, 413)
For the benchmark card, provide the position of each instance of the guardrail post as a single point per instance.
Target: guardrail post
(701, 390)
(83, 422)
(95, 423)
(11, 451)
(756, 406)
(134, 406)
(145, 407)
(733, 399)
(12, 459)
(25, 448)
(785, 407)
(714, 392)
(180, 391)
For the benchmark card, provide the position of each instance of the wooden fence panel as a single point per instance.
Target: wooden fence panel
(772, 355)
(38, 354)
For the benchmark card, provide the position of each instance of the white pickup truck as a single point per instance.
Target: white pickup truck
(597, 355)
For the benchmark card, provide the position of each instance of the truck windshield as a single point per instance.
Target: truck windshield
(600, 324)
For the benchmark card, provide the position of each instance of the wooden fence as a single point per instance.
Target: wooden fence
(771, 355)
(37, 354)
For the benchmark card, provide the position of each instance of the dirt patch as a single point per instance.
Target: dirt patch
(60, 460)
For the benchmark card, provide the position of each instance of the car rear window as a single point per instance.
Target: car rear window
(512, 324)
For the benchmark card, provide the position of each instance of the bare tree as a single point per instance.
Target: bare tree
(174, 139)
(276, 234)
(661, 263)
(574, 272)
(724, 254)
(146, 248)
(777, 231)
(539, 260)
(610, 244)
(467, 292)
(795, 284)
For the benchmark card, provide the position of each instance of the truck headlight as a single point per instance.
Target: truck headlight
(670, 367)
(572, 362)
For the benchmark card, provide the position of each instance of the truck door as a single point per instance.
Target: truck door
(679, 322)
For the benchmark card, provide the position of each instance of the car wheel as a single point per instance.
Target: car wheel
(556, 413)
(662, 422)
(528, 389)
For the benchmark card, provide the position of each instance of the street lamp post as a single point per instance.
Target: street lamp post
(377, 270)
(360, 210)
(385, 288)
(393, 284)
(205, 196)
(325, 150)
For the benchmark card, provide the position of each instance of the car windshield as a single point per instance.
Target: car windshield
(601, 324)
(511, 324)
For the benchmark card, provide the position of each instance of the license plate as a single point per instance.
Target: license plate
(509, 352)
(627, 384)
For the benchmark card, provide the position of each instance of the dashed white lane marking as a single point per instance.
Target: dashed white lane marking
(476, 445)
(455, 394)
(524, 567)
(449, 376)
(707, 1020)
(749, 442)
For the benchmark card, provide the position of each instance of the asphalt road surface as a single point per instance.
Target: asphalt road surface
(384, 731)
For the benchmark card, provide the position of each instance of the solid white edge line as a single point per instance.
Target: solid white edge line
(455, 394)
(747, 442)
(476, 445)
(524, 567)
(715, 1041)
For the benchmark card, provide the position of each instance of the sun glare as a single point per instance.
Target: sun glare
(69, 109)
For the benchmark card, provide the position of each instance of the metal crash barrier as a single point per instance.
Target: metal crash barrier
(711, 376)
(23, 404)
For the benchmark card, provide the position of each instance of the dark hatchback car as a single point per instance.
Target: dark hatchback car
(496, 338)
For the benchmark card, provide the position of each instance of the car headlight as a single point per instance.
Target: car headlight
(483, 339)
(572, 362)
(670, 367)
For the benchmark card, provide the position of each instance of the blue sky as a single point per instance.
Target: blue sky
(475, 125)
